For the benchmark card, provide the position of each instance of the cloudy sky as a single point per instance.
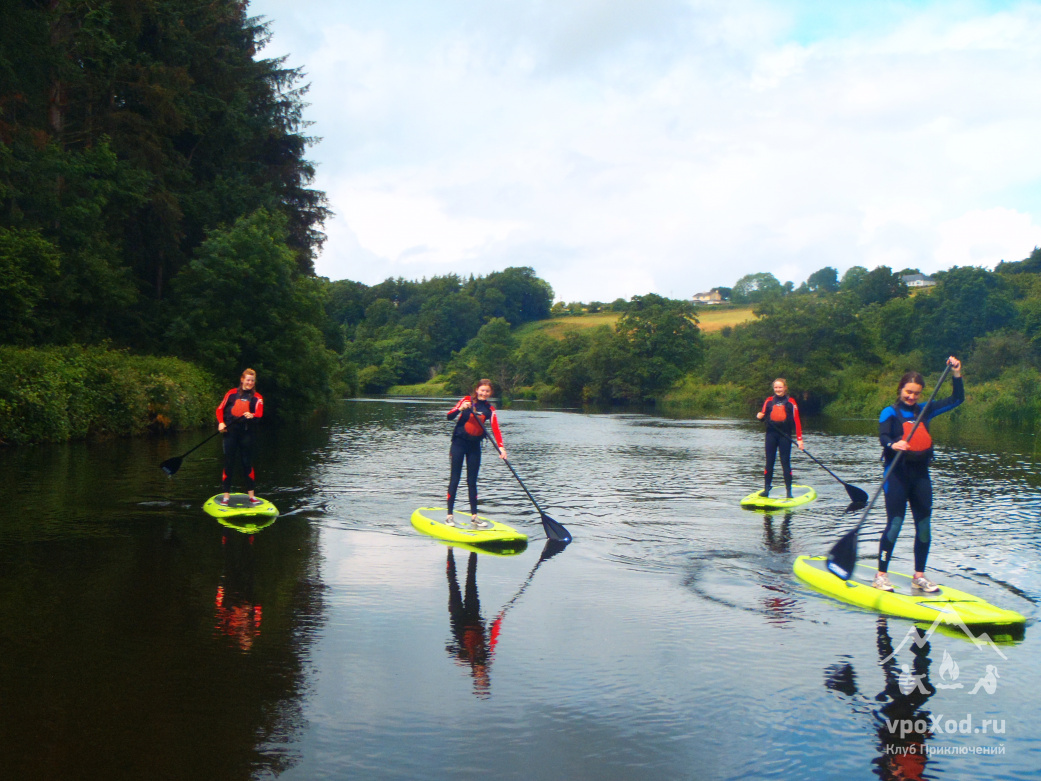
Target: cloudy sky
(623, 147)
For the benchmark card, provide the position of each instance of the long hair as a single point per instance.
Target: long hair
(783, 382)
(245, 373)
(914, 377)
(481, 382)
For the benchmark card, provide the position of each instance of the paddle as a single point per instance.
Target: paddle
(551, 549)
(171, 465)
(856, 495)
(554, 530)
(843, 556)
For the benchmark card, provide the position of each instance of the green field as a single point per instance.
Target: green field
(711, 319)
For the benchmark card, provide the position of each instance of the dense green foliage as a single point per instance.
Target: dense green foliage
(404, 332)
(57, 393)
(842, 347)
(143, 143)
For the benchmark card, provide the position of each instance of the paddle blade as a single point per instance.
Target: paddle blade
(171, 465)
(856, 495)
(843, 556)
(554, 530)
(551, 549)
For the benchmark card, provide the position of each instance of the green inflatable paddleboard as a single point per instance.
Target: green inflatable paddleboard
(238, 509)
(801, 494)
(431, 521)
(950, 606)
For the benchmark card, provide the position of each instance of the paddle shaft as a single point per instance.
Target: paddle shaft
(554, 530)
(211, 436)
(809, 455)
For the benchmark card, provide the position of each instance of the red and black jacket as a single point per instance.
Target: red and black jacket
(236, 403)
(781, 412)
(469, 425)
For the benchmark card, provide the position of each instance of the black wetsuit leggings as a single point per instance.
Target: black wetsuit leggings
(469, 449)
(238, 447)
(910, 484)
(777, 443)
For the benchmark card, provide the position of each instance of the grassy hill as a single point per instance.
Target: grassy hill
(712, 319)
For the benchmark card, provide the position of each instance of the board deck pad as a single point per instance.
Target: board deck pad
(431, 521)
(803, 495)
(238, 506)
(951, 606)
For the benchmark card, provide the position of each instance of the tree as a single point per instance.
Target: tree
(756, 289)
(967, 303)
(878, 286)
(825, 280)
(489, 354)
(29, 265)
(243, 302)
(853, 277)
(661, 340)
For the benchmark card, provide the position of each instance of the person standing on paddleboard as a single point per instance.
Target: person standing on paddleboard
(909, 481)
(472, 413)
(781, 414)
(235, 415)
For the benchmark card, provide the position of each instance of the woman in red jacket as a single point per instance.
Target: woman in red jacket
(782, 426)
(472, 413)
(235, 415)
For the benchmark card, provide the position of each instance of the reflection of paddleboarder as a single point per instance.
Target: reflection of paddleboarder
(472, 644)
(236, 611)
(901, 722)
(778, 541)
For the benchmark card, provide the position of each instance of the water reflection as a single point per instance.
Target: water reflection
(473, 641)
(779, 540)
(901, 722)
(237, 612)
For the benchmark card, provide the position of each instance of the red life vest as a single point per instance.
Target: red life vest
(778, 413)
(921, 441)
(472, 426)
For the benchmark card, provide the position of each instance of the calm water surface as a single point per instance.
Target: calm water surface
(141, 639)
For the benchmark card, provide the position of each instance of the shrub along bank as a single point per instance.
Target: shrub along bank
(52, 394)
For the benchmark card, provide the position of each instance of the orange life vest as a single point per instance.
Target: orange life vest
(921, 441)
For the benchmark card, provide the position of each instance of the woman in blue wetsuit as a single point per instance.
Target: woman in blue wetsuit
(909, 483)
(471, 414)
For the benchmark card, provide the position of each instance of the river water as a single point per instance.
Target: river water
(141, 639)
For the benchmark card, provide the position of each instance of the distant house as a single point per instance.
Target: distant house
(917, 280)
(711, 297)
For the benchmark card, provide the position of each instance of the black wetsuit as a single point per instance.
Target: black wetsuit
(909, 482)
(239, 435)
(466, 446)
(781, 415)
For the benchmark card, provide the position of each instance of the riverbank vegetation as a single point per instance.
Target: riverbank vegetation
(155, 200)
(158, 231)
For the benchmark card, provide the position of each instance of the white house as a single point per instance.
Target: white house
(711, 297)
(917, 280)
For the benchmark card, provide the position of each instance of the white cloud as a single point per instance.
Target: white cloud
(631, 146)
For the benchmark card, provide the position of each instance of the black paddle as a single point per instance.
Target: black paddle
(171, 465)
(856, 495)
(554, 530)
(843, 556)
(551, 549)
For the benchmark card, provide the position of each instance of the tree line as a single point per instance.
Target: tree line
(155, 195)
